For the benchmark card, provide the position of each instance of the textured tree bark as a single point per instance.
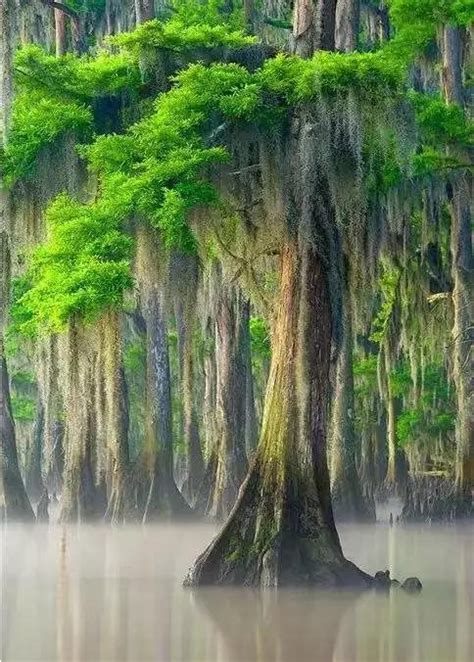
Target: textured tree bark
(463, 280)
(347, 497)
(347, 25)
(314, 23)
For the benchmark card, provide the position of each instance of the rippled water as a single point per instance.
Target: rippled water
(98, 593)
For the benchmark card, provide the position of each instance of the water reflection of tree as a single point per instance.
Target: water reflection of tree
(283, 626)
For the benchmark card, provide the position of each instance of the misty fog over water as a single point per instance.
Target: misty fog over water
(90, 593)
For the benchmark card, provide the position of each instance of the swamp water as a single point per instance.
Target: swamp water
(91, 593)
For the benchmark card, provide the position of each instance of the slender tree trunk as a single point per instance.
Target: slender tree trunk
(463, 279)
(194, 456)
(210, 379)
(347, 25)
(251, 425)
(117, 418)
(15, 501)
(60, 32)
(164, 498)
(281, 531)
(227, 465)
(33, 479)
(80, 498)
(391, 475)
(348, 500)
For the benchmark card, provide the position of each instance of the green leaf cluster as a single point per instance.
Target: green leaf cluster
(37, 121)
(178, 36)
(82, 268)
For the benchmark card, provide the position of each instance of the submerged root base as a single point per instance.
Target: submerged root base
(266, 543)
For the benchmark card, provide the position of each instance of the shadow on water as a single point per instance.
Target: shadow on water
(93, 593)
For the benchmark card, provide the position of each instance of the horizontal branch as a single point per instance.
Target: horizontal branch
(61, 7)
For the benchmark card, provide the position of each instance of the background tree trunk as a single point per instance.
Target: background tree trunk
(33, 478)
(15, 501)
(227, 464)
(348, 500)
(164, 498)
(314, 23)
(463, 279)
(347, 25)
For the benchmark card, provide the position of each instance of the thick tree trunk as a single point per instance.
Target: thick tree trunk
(281, 530)
(314, 23)
(347, 25)
(227, 465)
(463, 280)
(348, 500)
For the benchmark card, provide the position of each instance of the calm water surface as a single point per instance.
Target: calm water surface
(99, 593)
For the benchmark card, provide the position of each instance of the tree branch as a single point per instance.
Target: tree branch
(61, 7)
